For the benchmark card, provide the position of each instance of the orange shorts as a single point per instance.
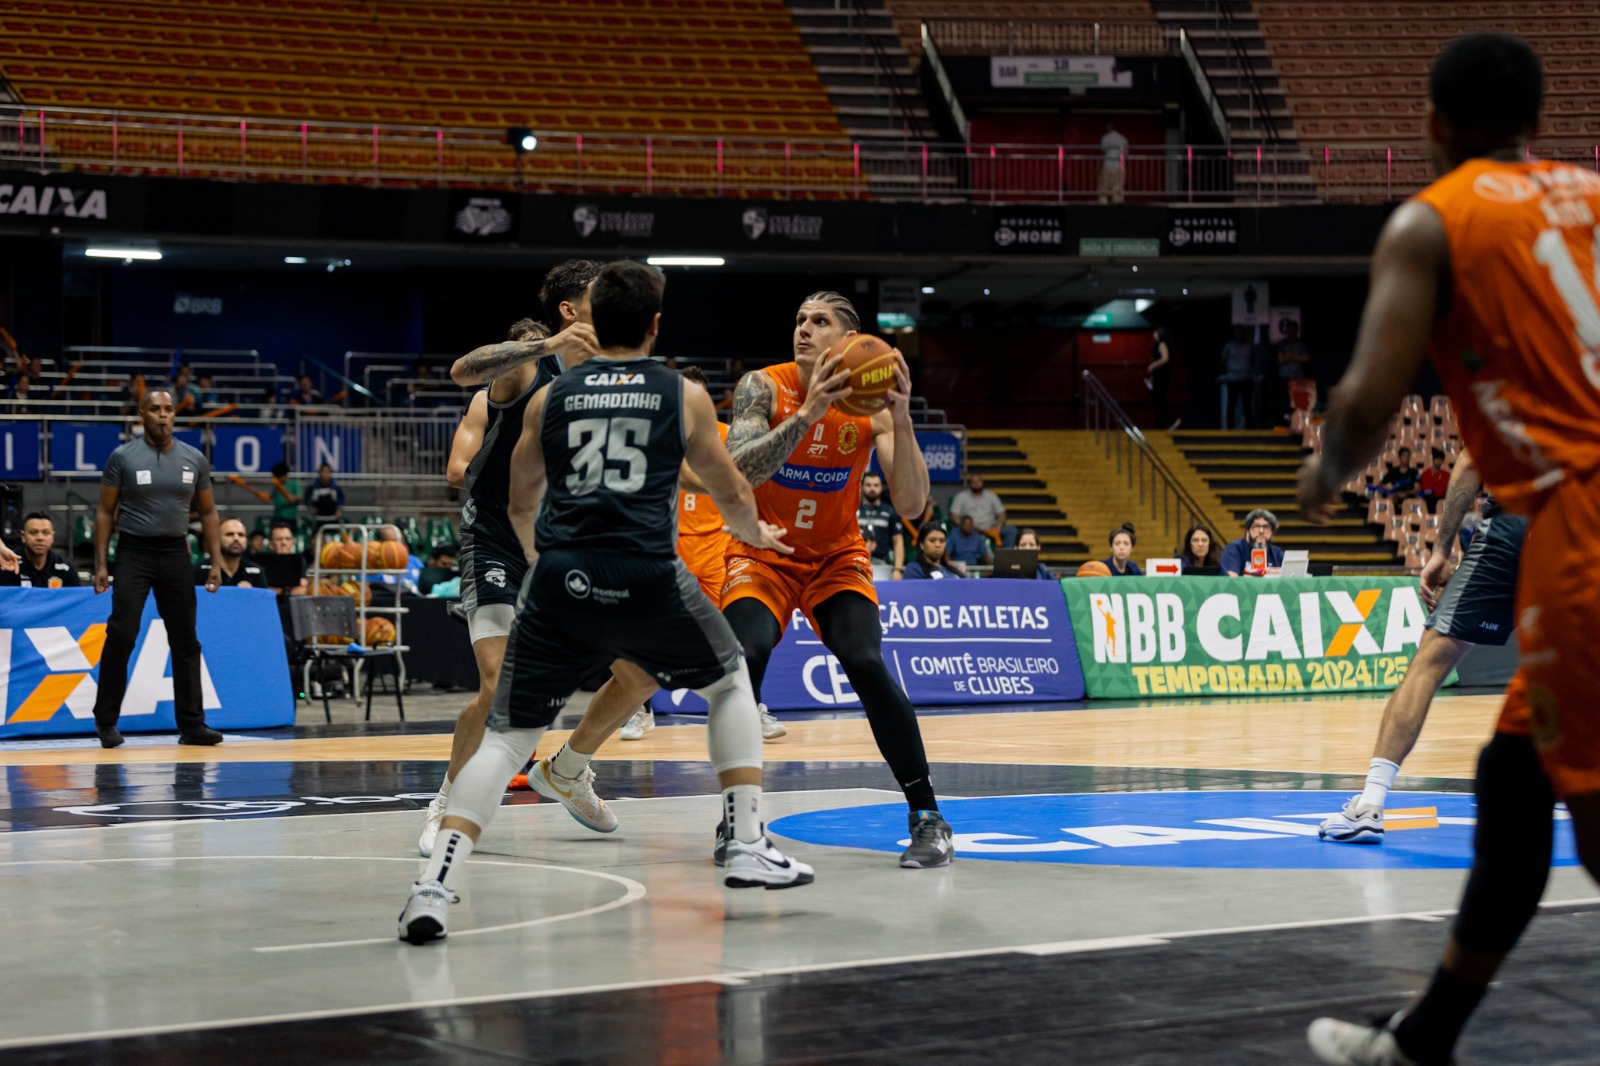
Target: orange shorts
(705, 556)
(1552, 698)
(785, 584)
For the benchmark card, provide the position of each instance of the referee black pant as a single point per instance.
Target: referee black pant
(145, 565)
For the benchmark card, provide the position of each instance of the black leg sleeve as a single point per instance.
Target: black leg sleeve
(758, 634)
(1512, 846)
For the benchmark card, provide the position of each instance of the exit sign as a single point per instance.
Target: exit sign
(1129, 247)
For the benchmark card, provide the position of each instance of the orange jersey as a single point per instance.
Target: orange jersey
(816, 492)
(697, 511)
(1518, 349)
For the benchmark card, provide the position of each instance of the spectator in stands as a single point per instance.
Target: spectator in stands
(1294, 364)
(880, 528)
(210, 398)
(1028, 540)
(1434, 480)
(282, 574)
(1401, 477)
(1121, 562)
(1114, 150)
(286, 495)
(1158, 376)
(237, 568)
(1259, 526)
(931, 560)
(258, 543)
(128, 397)
(21, 393)
(967, 545)
(1238, 379)
(441, 567)
(1199, 548)
(932, 514)
(988, 511)
(184, 394)
(325, 500)
(305, 394)
(38, 567)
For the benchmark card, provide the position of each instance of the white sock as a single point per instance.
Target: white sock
(741, 806)
(1380, 779)
(450, 853)
(568, 763)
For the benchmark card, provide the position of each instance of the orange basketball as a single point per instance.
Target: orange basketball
(348, 557)
(362, 593)
(374, 555)
(1094, 568)
(327, 588)
(380, 632)
(393, 555)
(871, 363)
(332, 552)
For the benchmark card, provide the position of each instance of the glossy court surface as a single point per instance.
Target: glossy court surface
(1135, 884)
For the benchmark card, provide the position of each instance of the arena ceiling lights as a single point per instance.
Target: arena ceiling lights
(125, 254)
(686, 261)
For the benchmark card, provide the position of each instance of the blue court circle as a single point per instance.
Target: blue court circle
(1223, 830)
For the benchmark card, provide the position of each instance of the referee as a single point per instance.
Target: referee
(154, 479)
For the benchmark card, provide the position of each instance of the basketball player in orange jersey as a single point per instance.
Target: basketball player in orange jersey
(1492, 272)
(806, 460)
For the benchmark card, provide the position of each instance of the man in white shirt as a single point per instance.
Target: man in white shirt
(988, 511)
(1115, 148)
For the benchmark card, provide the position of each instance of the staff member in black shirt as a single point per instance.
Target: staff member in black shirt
(238, 570)
(38, 567)
(154, 479)
(880, 528)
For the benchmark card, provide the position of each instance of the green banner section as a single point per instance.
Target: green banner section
(1211, 636)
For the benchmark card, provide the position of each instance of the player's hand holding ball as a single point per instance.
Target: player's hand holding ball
(876, 374)
(829, 385)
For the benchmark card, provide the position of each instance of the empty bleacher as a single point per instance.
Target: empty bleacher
(910, 14)
(677, 68)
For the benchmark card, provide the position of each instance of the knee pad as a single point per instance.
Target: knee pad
(475, 794)
(733, 726)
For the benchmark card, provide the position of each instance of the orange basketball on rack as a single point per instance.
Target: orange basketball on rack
(871, 363)
(394, 555)
(348, 557)
(374, 555)
(1094, 568)
(328, 588)
(359, 591)
(330, 554)
(380, 632)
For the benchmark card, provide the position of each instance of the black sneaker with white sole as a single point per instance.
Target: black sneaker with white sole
(932, 842)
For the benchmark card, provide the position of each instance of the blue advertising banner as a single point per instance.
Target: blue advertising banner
(50, 647)
(945, 642)
(245, 449)
(19, 451)
(338, 446)
(942, 452)
(81, 449)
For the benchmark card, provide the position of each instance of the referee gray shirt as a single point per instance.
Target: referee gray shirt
(157, 487)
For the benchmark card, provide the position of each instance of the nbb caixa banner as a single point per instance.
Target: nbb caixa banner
(50, 646)
(1197, 636)
(944, 642)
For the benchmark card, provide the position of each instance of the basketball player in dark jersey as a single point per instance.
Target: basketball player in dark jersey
(600, 449)
(491, 560)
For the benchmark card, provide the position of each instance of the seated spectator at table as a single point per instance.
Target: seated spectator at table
(967, 546)
(38, 567)
(1028, 540)
(1199, 548)
(880, 528)
(988, 511)
(285, 568)
(1121, 560)
(325, 499)
(1401, 477)
(441, 567)
(238, 570)
(932, 514)
(931, 560)
(1435, 479)
(1259, 526)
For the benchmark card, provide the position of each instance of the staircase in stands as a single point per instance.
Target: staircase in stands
(1249, 469)
(862, 62)
(1007, 470)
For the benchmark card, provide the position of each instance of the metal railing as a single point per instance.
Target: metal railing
(237, 149)
(1145, 470)
(991, 37)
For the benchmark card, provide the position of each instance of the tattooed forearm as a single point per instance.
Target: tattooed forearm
(757, 447)
(1465, 484)
(484, 364)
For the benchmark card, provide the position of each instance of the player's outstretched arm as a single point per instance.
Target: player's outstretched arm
(468, 439)
(893, 434)
(528, 474)
(1410, 270)
(757, 446)
(574, 344)
(713, 467)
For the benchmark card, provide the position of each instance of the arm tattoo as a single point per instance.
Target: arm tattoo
(757, 447)
(492, 360)
(1465, 482)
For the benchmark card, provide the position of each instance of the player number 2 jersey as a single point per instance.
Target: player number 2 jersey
(815, 493)
(1519, 346)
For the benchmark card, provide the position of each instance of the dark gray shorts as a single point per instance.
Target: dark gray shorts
(581, 610)
(492, 568)
(1479, 605)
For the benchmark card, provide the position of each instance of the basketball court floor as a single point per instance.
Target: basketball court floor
(1136, 884)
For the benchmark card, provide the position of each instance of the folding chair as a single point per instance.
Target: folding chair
(315, 617)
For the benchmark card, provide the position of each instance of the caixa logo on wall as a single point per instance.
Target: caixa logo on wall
(47, 200)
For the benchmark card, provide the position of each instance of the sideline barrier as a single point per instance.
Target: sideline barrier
(945, 642)
(50, 647)
(1201, 636)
